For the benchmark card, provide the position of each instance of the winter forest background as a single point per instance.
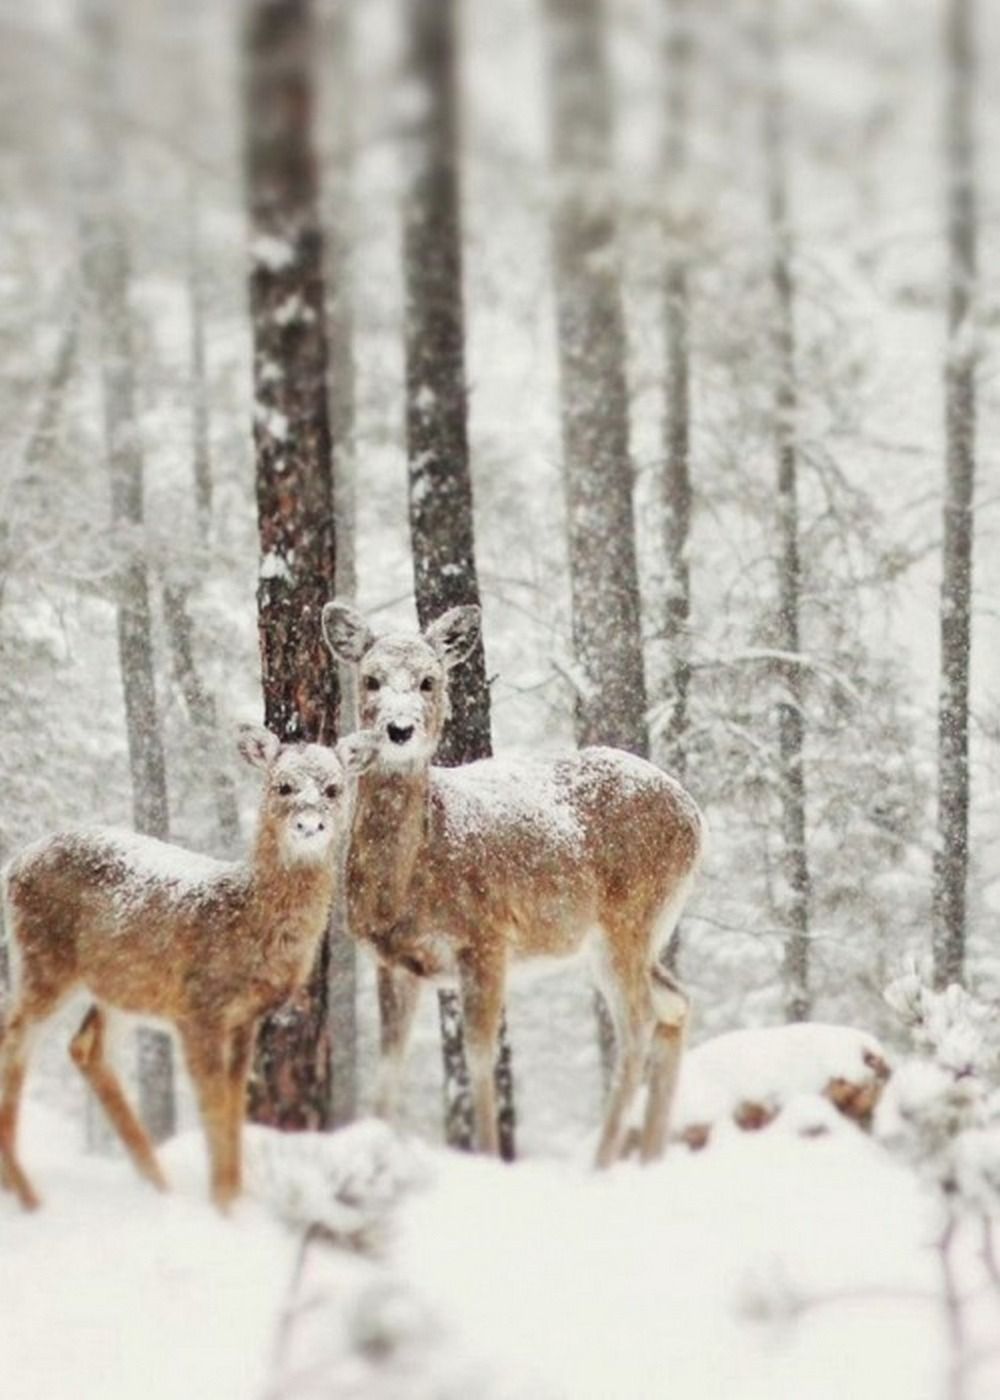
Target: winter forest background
(697, 299)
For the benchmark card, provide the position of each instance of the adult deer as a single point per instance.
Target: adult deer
(207, 945)
(458, 874)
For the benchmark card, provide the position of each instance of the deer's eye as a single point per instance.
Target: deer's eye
(372, 682)
(285, 789)
(427, 684)
(331, 790)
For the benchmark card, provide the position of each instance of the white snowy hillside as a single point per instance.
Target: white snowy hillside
(788, 1261)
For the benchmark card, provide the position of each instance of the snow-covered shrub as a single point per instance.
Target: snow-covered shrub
(343, 1184)
(952, 1026)
(941, 1111)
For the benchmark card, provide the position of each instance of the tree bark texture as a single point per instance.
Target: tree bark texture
(200, 705)
(440, 483)
(795, 894)
(597, 468)
(291, 1085)
(611, 693)
(107, 275)
(46, 424)
(338, 203)
(677, 422)
(952, 850)
(200, 437)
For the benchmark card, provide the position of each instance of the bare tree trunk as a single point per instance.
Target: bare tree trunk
(200, 437)
(338, 200)
(40, 437)
(200, 705)
(291, 1086)
(597, 468)
(952, 852)
(677, 425)
(611, 695)
(198, 699)
(106, 272)
(44, 429)
(795, 897)
(440, 495)
(677, 422)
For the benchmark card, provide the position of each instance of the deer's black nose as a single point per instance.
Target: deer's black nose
(399, 733)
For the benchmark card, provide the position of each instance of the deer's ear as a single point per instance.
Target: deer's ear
(345, 631)
(455, 633)
(358, 751)
(257, 745)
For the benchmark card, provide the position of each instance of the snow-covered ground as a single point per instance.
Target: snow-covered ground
(800, 1261)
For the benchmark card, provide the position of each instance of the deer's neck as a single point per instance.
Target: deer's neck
(291, 899)
(388, 846)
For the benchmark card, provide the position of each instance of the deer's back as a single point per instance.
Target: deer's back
(549, 849)
(120, 912)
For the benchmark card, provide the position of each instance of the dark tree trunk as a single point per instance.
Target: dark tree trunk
(107, 274)
(291, 1086)
(952, 852)
(677, 425)
(611, 692)
(440, 485)
(338, 202)
(794, 908)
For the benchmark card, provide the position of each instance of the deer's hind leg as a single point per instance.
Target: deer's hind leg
(88, 1050)
(671, 1007)
(623, 981)
(14, 1051)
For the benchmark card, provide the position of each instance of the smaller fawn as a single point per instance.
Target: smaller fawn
(209, 946)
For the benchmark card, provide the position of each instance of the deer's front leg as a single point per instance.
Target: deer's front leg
(398, 994)
(206, 1049)
(481, 982)
(240, 1056)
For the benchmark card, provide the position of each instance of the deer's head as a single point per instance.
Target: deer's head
(305, 800)
(402, 677)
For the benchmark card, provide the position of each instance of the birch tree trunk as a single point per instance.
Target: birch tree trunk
(440, 485)
(952, 850)
(106, 276)
(793, 912)
(611, 692)
(291, 1086)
